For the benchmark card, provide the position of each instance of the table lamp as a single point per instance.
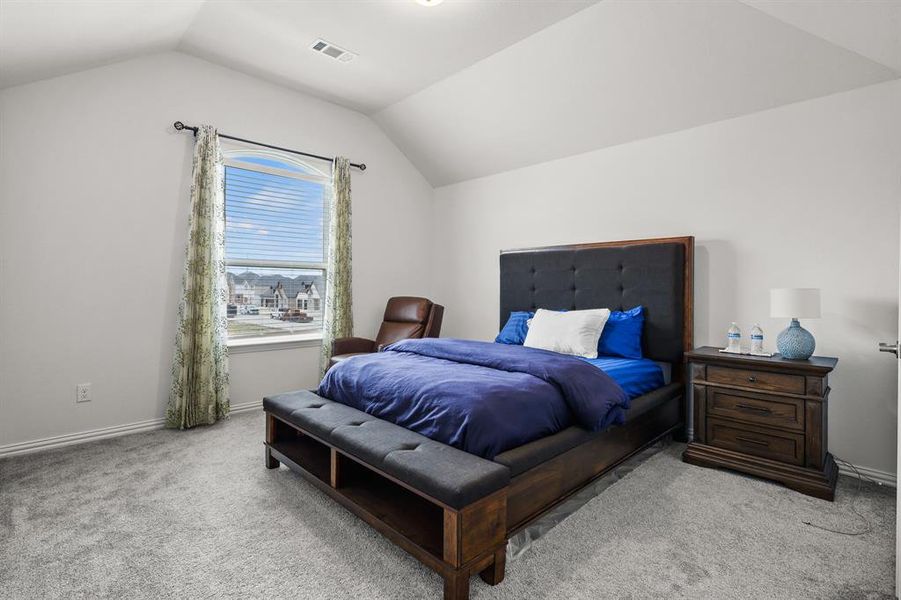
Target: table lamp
(795, 342)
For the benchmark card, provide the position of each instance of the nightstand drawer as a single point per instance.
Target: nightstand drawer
(762, 380)
(776, 445)
(760, 409)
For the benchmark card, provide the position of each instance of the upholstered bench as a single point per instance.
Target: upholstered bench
(433, 500)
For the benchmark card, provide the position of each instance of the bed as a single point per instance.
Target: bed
(455, 509)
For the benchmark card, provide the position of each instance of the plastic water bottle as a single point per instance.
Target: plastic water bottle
(734, 337)
(756, 339)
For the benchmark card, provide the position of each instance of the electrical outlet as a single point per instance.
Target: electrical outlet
(83, 392)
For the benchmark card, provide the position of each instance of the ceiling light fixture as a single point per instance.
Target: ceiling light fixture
(429, 2)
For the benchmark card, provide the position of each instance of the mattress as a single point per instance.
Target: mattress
(636, 376)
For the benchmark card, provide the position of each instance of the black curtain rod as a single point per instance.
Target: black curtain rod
(180, 126)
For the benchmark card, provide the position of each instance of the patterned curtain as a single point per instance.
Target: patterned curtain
(338, 302)
(199, 393)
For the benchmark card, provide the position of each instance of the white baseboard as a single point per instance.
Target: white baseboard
(70, 439)
(883, 477)
(246, 407)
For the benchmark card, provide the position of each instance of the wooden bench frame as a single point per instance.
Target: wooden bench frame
(456, 543)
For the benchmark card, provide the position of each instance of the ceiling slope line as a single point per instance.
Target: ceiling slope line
(584, 153)
(758, 6)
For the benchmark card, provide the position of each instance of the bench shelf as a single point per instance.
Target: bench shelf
(310, 455)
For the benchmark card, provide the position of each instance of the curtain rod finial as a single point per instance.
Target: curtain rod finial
(362, 166)
(179, 125)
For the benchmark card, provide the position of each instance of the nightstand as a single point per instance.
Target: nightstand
(763, 416)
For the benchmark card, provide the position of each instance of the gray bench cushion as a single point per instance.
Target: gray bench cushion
(451, 476)
(521, 459)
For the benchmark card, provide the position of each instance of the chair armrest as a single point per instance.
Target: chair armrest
(433, 326)
(350, 345)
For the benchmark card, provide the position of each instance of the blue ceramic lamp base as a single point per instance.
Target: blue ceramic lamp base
(795, 342)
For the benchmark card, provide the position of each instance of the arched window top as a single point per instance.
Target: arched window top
(271, 160)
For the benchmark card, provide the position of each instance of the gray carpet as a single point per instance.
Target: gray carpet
(195, 515)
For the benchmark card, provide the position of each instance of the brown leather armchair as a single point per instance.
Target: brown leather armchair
(405, 317)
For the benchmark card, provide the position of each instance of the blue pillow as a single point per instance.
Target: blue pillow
(622, 334)
(515, 330)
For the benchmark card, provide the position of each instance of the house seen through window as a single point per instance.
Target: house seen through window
(276, 210)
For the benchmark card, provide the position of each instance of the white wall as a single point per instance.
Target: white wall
(93, 210)
(93, 206)
(806, 195)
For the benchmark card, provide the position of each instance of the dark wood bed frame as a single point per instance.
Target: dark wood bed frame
(457, 543)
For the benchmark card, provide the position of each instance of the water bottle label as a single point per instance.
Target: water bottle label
(756, 337)
(734, 336)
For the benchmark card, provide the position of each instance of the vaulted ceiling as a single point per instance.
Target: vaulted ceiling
(471, 88)
(623, 70)
(403, 47)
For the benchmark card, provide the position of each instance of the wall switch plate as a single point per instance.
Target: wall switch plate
(83, 392)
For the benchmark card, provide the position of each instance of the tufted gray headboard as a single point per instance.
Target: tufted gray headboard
(655, 273)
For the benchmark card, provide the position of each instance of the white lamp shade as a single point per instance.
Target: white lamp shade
(795, 303)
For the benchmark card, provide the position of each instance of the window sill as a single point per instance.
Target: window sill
(287, 342)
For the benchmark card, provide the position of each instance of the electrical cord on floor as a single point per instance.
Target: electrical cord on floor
(867, 526)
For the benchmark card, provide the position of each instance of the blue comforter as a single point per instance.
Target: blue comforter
(480, 397)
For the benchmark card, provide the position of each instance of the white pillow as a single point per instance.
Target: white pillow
(575, 332)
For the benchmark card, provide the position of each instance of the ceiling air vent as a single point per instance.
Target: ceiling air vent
(332, 51)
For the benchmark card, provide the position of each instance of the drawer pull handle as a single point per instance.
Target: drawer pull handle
(745, 440)
(752, 379)
(759, 409)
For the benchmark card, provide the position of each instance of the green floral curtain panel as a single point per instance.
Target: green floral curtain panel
(338, 301)
(199, 393)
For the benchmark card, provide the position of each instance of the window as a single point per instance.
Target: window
(276, 211)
